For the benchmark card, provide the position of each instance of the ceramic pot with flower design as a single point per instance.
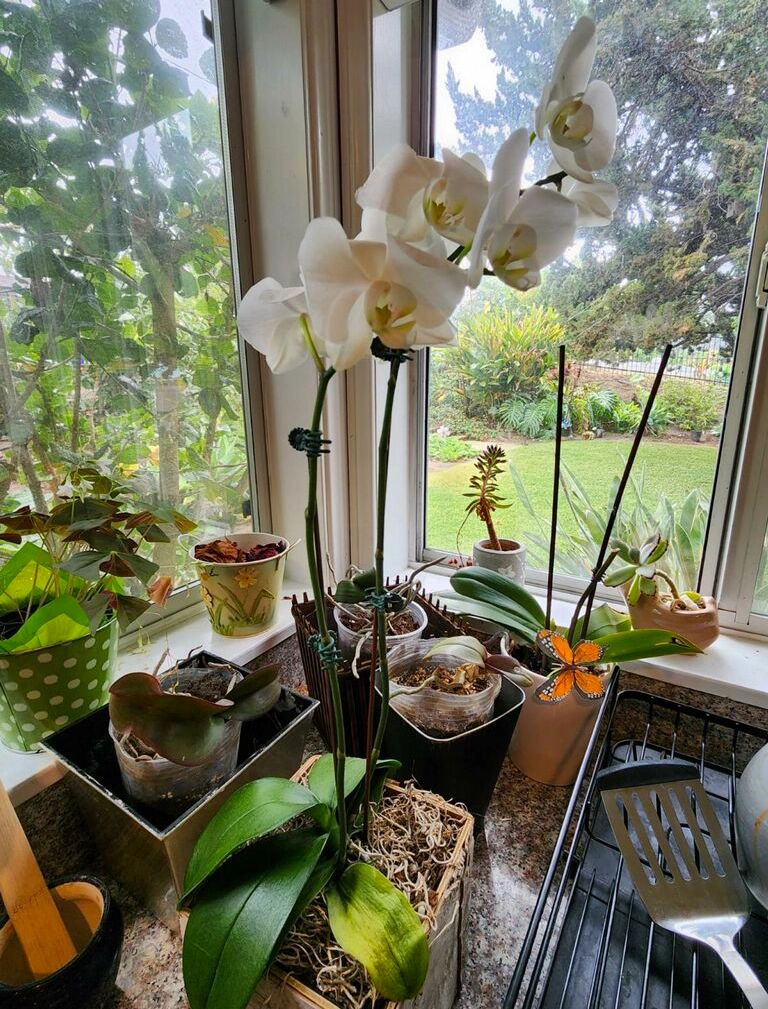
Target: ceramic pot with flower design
(241, 595)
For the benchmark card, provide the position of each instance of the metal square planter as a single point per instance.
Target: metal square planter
(145, 852)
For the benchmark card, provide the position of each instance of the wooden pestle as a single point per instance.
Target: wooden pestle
(42, 934)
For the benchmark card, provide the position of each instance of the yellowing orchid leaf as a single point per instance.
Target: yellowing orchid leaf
(372, 921)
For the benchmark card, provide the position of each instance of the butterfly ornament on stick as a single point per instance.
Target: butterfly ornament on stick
(572, 671)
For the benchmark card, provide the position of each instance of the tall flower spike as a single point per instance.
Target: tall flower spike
(578, 117)
(270, 320)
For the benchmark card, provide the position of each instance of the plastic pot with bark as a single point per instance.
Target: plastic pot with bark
(177, 735)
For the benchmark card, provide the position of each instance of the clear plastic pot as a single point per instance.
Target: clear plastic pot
(348, 639)
(174, 788)
(437, 712)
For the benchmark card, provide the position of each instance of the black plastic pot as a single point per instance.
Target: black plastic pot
(463, 768)
(87, 981)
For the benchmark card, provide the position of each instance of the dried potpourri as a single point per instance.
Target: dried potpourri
(225, 551)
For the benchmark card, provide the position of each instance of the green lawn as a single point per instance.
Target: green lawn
(668, 468)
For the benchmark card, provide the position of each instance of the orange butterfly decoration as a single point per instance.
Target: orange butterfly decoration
(572, 671)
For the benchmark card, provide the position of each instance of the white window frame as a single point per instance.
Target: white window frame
(739, 503)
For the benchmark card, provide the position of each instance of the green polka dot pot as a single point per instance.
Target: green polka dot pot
(242, 599)
(45, 689)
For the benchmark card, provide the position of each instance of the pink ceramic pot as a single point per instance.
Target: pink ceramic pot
(702, 627)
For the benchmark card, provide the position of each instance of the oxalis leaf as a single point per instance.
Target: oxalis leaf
(239, 920)
(249, 813)
(372, 921)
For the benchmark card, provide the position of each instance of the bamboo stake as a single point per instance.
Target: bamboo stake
(556, 487)
(596, 571)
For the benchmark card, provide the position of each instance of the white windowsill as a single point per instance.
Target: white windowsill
(26, 774)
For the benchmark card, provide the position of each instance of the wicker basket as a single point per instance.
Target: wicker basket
(354, 690)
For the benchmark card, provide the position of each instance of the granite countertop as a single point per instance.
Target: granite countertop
(511, 858)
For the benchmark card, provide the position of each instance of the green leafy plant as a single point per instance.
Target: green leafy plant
(692, 405)
(179, 726)
(484, 498)
(530, 418)
(88, 550)
(449, 449)
(682, 527)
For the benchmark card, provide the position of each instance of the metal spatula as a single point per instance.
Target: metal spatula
(680, 863)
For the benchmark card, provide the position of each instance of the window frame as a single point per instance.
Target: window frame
(738, 511)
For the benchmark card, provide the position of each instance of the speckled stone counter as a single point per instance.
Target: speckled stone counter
(511, 858)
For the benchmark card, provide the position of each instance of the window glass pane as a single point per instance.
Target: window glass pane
(690, 87)
(760, 601)
(118, 340)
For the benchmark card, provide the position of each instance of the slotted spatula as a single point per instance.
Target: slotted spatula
(680, 863)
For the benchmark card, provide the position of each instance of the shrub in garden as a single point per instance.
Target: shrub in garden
(449, 449)
(502, 353)
(693, 406)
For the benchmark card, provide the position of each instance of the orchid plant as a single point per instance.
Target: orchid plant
(430, 229)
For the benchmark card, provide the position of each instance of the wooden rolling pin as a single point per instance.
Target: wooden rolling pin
(42, 933)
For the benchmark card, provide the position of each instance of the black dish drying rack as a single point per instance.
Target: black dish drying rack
(591, 944)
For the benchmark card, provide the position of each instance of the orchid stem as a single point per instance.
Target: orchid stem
(381, 501)
(313, 562)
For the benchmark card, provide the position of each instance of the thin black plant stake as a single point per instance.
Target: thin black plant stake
(597, 570)
(556, 486)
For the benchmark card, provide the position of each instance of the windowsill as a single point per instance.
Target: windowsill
(26, 774)
(735, 666)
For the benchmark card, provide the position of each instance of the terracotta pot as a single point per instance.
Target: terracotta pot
(510, 561)
(702, 627)
(550, 739)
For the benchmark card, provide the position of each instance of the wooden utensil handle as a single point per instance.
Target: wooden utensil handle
(43, 935)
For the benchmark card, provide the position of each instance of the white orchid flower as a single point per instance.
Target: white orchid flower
(418, 192)
(270, 320)
(578, 114)
(596, 202)
(361, 288)
(519, 235)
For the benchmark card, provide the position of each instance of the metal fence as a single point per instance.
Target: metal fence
(710, 365)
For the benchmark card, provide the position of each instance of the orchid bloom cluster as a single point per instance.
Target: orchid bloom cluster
(398, 280)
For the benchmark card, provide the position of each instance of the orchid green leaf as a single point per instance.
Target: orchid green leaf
(180, 727)
(322, 781)
(644, 644)
(238, 921)
(252, 811)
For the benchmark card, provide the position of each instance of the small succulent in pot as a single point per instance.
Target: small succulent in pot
(494, 553)
(177, 735)
(654, 599)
